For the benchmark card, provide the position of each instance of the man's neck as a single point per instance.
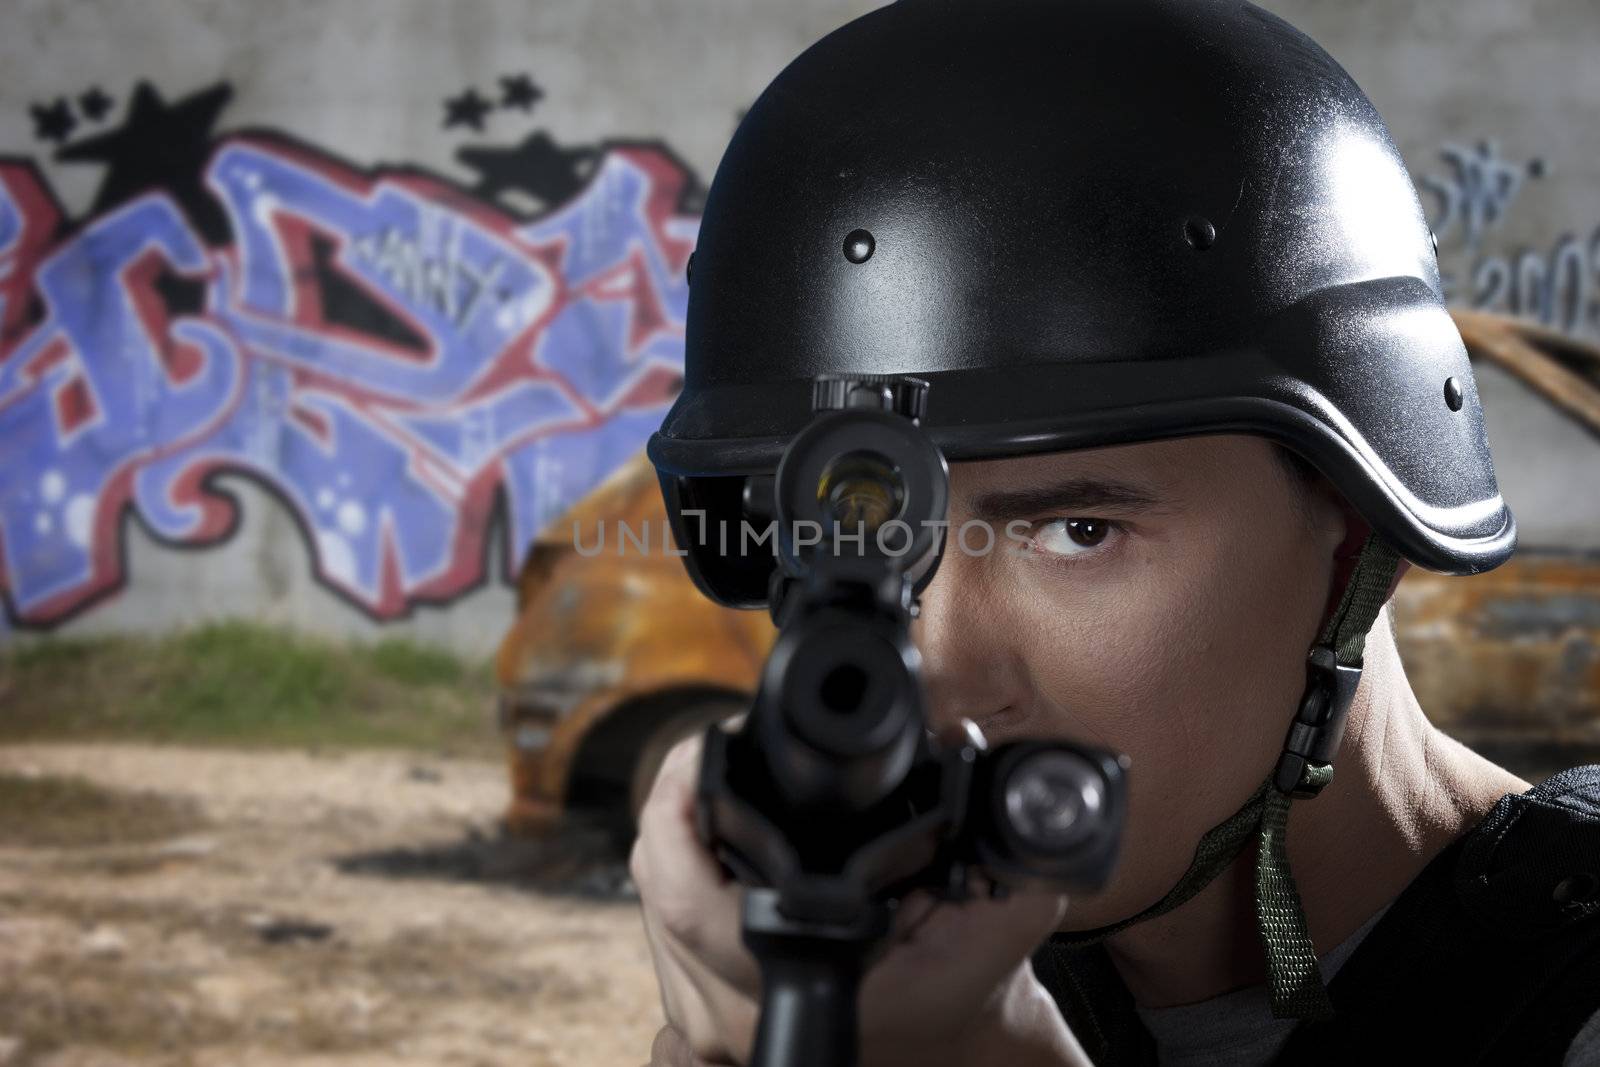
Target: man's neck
(1402, 791)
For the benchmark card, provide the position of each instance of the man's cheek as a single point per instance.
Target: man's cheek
(1170, 697)
(1117, 662)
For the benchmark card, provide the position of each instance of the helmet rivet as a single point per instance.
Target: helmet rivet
(858, 246)
(1199, 232)
(1452, 393)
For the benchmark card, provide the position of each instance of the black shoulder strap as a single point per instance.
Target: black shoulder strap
(1491, 955)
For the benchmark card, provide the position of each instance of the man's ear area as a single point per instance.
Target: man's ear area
(1337, 525)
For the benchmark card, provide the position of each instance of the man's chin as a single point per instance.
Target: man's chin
(1119, 899)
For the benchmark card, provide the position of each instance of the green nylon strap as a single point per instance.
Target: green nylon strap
(1298, 991)
(1364, 596)
(1292, 969)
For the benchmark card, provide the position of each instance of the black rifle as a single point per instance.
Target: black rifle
(832, 800)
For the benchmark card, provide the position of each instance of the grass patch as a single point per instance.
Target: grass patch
(69, 813)
(247, 685)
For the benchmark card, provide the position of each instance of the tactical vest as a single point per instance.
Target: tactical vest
(1490, 956)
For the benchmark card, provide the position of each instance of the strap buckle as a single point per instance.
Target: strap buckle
(1318, 725)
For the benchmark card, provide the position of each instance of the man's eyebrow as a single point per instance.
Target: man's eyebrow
(1076, 496)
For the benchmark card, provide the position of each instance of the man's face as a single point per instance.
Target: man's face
(1162, 606)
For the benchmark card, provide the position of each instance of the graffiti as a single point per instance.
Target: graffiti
(518, 91)
(445, 281)
(183, 130)
(400, 361)
(538, 167)
(1479, 190)
(55, 122)
(470, 108)
(1558, 287)
(95, 104)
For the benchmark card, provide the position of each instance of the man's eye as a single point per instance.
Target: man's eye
(1069, 537)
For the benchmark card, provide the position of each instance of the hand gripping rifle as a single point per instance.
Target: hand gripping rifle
(832, 800)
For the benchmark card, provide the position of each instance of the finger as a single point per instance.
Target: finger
(667, 821)
(718, 1017)
(669, 977)
(680, 881)
(669, 1049)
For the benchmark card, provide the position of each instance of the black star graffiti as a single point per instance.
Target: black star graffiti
(518, 91)
(160, 146)
(94, 104)
(53, 121)
(538, 166)
(468, 109)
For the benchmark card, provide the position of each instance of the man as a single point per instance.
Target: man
(1176, 300)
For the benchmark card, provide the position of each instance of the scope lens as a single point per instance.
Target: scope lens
(861, 489)
(844, 688)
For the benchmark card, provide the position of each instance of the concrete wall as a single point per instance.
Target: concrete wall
(1492, 103)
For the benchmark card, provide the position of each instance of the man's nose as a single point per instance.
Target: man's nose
(971, 663)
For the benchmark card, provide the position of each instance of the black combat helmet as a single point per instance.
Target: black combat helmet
(1091, 222)
(1084, 222)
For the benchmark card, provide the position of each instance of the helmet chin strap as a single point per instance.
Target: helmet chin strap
(1304, 768)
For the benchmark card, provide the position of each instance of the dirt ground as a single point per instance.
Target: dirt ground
(180, 906)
